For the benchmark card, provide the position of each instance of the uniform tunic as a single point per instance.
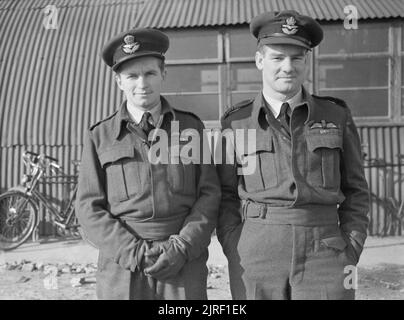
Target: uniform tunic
(289, 228)
(123, 197)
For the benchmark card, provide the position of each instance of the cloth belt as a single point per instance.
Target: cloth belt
(155, 229)
(313, 215)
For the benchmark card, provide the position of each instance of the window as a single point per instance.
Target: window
(244, 80)
(211, 69)
(354, 65)
(194, 45)
(191, 78)
(242, 44)
(364, 88)
(369, 37)
(194, 88)
(192, 82)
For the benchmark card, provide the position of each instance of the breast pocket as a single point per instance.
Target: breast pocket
(121, 165)
(324, 158)
(181, 173)
(258, 166)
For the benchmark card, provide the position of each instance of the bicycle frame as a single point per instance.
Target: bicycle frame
(29, 186)
(61, 220)
(64, 221)
(21, 204)
(386, 204)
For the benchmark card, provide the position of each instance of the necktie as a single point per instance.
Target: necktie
(284, 117)
(146, 123)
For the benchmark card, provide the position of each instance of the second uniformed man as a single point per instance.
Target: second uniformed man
(291, 227)
(152, 222)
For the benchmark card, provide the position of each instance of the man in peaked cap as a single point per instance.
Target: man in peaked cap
(290, 228)
(152, 221)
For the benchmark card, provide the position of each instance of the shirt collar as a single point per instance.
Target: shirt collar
(123, 117)
(260, 105)
(136, 114)
(275, 105)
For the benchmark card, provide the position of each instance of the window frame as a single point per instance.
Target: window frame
(225, 62)
(203, 61)
(229, 61)
(393, 92)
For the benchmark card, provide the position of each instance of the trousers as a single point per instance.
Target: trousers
(116, 283)
(289, 262)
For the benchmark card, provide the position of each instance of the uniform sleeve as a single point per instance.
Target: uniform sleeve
(230, 206)
(353, 212)
(105, 231)
(202, 220)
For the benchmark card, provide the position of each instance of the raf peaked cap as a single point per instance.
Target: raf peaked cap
(133, 44)
(286, 27)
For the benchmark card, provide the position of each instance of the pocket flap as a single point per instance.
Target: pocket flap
(262, 144)
(115, 153)
(335, 242)
(331, 140)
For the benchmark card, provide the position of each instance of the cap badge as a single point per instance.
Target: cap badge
(130, 45)
(290, 26)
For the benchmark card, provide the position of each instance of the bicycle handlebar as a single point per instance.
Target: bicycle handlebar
(38, 155)
(40, 160)
(377, 162)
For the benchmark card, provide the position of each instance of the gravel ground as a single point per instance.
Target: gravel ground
(380, 283)
(29, 271)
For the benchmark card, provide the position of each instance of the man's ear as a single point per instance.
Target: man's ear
(164, 74)
(118, 80)
(259, 57)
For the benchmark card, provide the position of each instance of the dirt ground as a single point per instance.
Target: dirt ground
(24, 272)
(382, 283)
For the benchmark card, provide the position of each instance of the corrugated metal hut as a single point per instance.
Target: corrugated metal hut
(53, 83)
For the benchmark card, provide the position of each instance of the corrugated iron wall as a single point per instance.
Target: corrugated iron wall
(51, 87)
(48, 95)
(386, 179)
(194, 13)
(380, 142)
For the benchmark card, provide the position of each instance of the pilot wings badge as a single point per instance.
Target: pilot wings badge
(290, 26)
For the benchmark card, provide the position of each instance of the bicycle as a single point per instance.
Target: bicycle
(387, 207)
(19, 205)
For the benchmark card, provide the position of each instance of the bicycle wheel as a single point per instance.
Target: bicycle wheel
(17, 219)
(384, 219)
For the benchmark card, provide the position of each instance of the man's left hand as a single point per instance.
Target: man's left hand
(168, 264)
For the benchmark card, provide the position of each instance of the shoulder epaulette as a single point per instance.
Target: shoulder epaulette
(187, 112)
(237, 106)
(337, 101)
(103, 120)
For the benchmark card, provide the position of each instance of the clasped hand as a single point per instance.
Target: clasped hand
(164, 260)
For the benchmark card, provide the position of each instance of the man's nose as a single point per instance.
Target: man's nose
(287, 65)
(141, 81)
